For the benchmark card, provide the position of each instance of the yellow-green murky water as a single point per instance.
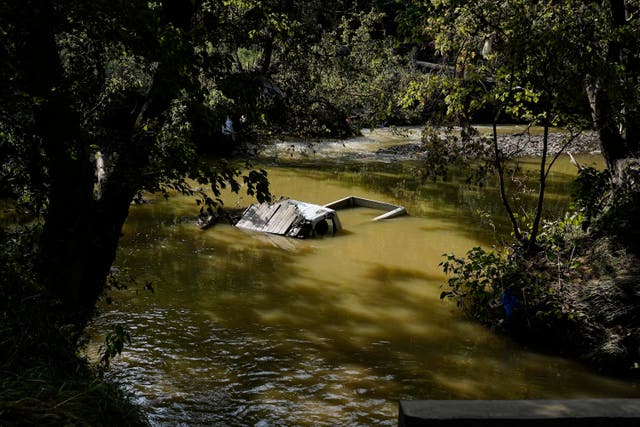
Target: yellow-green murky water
(248, 329)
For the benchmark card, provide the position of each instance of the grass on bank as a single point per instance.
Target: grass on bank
(40, 396)
(43, 380)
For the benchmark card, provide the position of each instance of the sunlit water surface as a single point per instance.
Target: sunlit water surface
(248, 329)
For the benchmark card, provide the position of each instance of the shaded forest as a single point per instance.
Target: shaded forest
(103, 101)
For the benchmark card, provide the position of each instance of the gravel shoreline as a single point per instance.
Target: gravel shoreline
(516, 145)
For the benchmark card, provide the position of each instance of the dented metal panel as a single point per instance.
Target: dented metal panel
(290, 218)
(294, 218)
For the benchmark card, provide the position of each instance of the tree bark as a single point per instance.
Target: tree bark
(503, 192)
(535, 228)
(68, 234)
(614, 107)
(267, 53)
(81, 232)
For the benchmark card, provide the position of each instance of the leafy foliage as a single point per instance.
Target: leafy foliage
(509, 288)
(349, 78)
(114, 343)
(449, 147)
(516, 61)
(120, 110)
(590, 192)
(621, 215)
(477, 281)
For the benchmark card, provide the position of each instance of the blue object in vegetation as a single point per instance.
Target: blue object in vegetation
(510, 303)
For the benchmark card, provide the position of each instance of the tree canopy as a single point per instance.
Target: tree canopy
(102, 101)
(549, 64)
(578, 58)
(118, 82)
(105, 101)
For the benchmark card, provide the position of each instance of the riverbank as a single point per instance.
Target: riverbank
(578, 296)
(592, 309)
(41, 395)
(603, 295)
(515, 145)
(43, 380)
(585, 306)
(603, 288)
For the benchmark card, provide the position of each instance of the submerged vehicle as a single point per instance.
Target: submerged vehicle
(294, 218)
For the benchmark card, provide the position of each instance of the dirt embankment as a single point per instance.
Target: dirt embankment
(516, 145)
(532, 145)
(603, 296)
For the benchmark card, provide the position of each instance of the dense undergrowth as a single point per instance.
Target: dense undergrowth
(43, 380)
(579, 293)
(43, 395)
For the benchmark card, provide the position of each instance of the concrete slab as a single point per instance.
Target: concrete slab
(526, 413)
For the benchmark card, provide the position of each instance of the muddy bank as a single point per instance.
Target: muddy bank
(514, 145)
(602, 295)
(391, 144)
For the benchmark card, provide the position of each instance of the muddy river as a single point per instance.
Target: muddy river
(245, 329)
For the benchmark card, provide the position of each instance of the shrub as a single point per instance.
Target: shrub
(513, 288)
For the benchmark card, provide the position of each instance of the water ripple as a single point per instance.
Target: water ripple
(208, 375)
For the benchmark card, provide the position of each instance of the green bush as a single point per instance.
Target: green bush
(513, 288)
(621, 218)
(43, 381)
(480, 282)
(590, 192)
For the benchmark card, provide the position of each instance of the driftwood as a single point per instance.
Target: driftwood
(433, 67)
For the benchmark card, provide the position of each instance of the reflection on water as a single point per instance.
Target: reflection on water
(243, 329)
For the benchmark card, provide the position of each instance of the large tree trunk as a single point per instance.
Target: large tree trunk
(267, 53)
(69, 244)
(78, 245)
(532, 247)
(614, 104)
(81, 231)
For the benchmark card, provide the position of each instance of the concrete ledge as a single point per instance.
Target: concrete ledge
(528, 413)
